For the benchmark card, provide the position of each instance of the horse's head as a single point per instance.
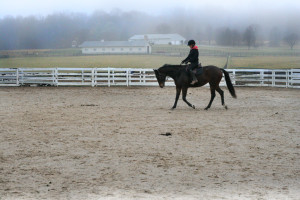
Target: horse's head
(161, 78)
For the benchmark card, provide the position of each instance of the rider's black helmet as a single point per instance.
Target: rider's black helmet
(190, 42)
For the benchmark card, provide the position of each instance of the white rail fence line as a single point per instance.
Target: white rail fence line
(135, 77)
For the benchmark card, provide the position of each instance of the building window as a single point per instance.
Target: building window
(140, 49)
(122, 49)
(113, 49)
(130, 49)
(86, 49)
(95, 49)
(103, 49)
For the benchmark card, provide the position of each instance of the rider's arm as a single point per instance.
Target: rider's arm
(187, 58)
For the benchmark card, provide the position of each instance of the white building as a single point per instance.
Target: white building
(174, 39)
(115, 47)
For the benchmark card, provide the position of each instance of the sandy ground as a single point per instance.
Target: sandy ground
(106, 143)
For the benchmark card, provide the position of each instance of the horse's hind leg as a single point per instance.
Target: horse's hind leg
(184, 93)
(213, 94)
(222, 96)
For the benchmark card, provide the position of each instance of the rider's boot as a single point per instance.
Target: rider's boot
(195, 80)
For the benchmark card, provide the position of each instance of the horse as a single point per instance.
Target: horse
(210, 74)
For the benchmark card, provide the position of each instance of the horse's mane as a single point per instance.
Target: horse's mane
(166, 66)
(170, 65)
(171, 70)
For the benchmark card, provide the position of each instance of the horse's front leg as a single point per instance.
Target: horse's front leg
(184, 93)
(178, 90)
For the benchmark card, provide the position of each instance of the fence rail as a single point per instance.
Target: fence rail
(135, 77)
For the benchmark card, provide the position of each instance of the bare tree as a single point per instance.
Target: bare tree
(237, 38)
(274, 37)
(228, 37)
(209, 33)
(291, 39)
(250, 37)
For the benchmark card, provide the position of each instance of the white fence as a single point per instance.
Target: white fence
(134, 77)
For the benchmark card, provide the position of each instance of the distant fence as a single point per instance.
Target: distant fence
(134, 77)
(178, 50)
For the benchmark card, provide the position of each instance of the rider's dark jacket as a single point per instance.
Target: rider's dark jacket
(193, 57)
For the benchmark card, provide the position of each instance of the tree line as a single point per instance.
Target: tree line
(251, 37)
(59, 30)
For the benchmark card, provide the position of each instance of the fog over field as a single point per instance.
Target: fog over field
(55, 24)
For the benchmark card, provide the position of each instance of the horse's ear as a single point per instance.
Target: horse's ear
(155, 71)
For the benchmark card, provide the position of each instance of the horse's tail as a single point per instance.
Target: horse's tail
(229, 84)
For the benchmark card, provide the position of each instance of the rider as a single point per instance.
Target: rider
(193, 59)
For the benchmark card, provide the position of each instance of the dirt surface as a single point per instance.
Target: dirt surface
(126, 143)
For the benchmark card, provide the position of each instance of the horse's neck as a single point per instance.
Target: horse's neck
(171, 71)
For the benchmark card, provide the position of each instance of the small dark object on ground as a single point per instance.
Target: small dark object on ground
(274, 114)
(166, 134)
(88, 105)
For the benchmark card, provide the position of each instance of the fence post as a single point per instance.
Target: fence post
(56, 76)
(291, 78)
(140, 76)
(17, 78)
(287, 78)
(82, 76)
(96, 76)
(113, 76)
(93, 80)
(53, 76)
(127, 77)
(261, 78)
(22, 76)
(108, 77)
(273, 78)
(234, 77)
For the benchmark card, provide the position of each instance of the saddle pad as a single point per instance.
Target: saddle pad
(198, 70)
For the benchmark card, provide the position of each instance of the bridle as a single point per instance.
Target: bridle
(167, 77)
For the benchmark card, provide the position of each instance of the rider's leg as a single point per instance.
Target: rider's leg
(195, 80)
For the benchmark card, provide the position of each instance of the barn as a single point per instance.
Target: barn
(174, 39)
(115, 47)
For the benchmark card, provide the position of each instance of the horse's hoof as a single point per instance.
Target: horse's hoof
(193, 107)
(226, 107)
(206, 108)
(172, 108)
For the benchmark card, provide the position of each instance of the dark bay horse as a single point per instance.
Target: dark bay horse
(210, 74)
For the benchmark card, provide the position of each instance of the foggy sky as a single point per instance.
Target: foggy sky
(34, 24)
(153, 7)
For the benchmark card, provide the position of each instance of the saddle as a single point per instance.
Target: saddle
(198, 70)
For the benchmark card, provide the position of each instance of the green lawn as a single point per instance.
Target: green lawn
(240, 57)
(266, 62)
(126, 61)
